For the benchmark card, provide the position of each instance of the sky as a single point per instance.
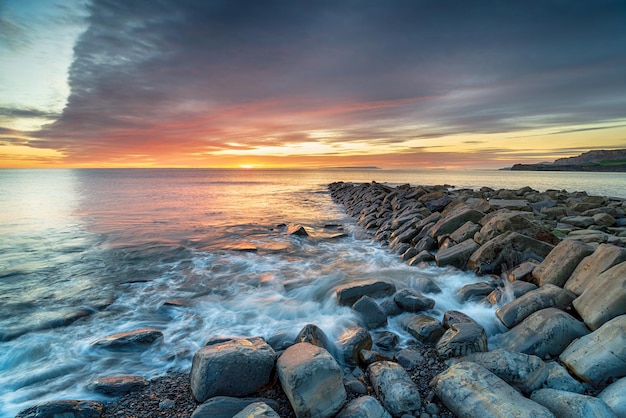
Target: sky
(407, 84)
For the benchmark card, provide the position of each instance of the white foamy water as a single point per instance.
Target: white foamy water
(88, 253)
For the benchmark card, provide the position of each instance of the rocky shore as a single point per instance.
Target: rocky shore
(553, 263)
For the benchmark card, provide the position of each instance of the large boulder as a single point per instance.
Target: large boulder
(548, 296)
(544, 333)
(348, 294)
(465, 231)
(363, 407)
(559, 378)
(312, 381)
(411, 301)
(350, 343)
(236, 367)
(501, 222)
(372, 315)
(454, 220)
(508, 249)
(130, 340)
(457, 255)
(469, 390)
(615, 397)
(520, 370)
(423, 327)
(394, 388)
(568, 404)
(313, 334)
(462, 339)
(602, 259)
(599, 356)
(558, 266)
(63, 409)
(604, 298)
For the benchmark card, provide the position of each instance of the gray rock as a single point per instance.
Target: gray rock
(257, 410)
(602, 259)
(614, 396)
(597, 357)
(118, 385)
(498, 223)
(410, 357)
(435, 201)
(367, 357)
(578, 221)
(464, 232)
(523, 271)
(312, 334)
(363, 407)
(63, 409)
(604, 297)
(469, 390)
(370, 312)
(347, 295)
(456, 255)
(559, 378)
(311, 379)
(350, 342)
(455, 220)
(510, 204)
(559, 265)
(421, 257)
(462, 339)
(567, 404)
(522, 371)
(603, 219)
(423, 327)
(475, 291)
(544, 333)
(548, 296)
(250, 360)
(387, 340)
(227, 407)
(130, 340)
(394, 387)
(456, 317)
(411, 301)
(510, 292)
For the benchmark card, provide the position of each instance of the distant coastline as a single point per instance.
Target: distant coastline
(611, 161)
(357, 167)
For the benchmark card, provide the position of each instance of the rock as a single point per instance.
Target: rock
(363, 407)
(456, 255)
(370, 312)
(589, 235)
(118, 385)
(435, 201)
(312, 334)
(421, 257)
(367, 357)
(510, 292)
(257, 410)
(394, 387)
(603, 219)
(578, 221)
(387, 340)
(423, 327)
(464, 232)
(347, 295)
(523, 271)
(508, 249)
(597, 357)
(548, 296)
(498, 223)
(228, 407)
(462, 339)
(312, 381)
(567, 404)
(63, 409)
(295, 229)
(559, 265)
(544, 333)
(474, 291)
(469, 390)
(559, 378)
(350, 342)
(456, 317)
(510, 204)
(410, 357)
(602, 259)
(522, 371)
(411, 301)
(455, 220)
(604, 297)
(614, 396)
(130, 340)
(250, 360)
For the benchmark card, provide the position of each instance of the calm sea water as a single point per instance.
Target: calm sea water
(87, 253)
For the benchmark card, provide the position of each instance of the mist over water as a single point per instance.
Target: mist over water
(88, 253)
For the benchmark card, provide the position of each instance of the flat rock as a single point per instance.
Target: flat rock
(464, 232)
(410, 357)
(548, 296)
(559, 265)
(568, 404)
(454, 220)
(614, 396)
(423, 327)
(475, 291)
(602, 259)
(227, 407)
(130, 340)
(394, 387)
(63, 409)
(363, 407)
(523, 271)
(457, 255)
(347, 295)
(510, 291)
(469, 390)
(462, 339)
(118, 385)
(295, 229)
(559, 378)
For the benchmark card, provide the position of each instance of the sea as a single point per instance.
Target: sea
(195, 253)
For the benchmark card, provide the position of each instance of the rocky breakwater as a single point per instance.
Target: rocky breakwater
(554, 265)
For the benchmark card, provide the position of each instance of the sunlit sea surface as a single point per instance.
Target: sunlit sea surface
(87, 253)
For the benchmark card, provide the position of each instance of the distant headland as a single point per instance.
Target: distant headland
(592, 161)
(357, 167)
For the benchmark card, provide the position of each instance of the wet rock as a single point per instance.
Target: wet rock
(350, 342)
(614, 396)
(561, 262)
(469, 390)
(457, 255)
(312, 334)
(367, 357)
(523, 371)
(387, 340)
(347, 295)
(559, 378)
(510, 292)
(597, 357)
(602, 259)
(410, 357)
(370, 312)
(474, 291)
(363, 407)
(523, 271)
(421, 257)
(568, 404)
(498, 223)
(548, 296)
(248, 361)
(394, 387)
(455, 220)
(295, 229)
(462, 339)
(456, 317)
(227, 407)
(465, 232)
(604, 297)
(130, 340)
(311, 379)
(423, 327)
(118, 385)
(411, 301)
(257, 410)
(64, 409)
(544, 333)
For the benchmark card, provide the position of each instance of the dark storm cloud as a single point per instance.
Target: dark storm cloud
(204, 73)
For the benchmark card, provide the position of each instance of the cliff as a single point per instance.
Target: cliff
(592, 161)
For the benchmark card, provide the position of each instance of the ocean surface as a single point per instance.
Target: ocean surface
(87, 253)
